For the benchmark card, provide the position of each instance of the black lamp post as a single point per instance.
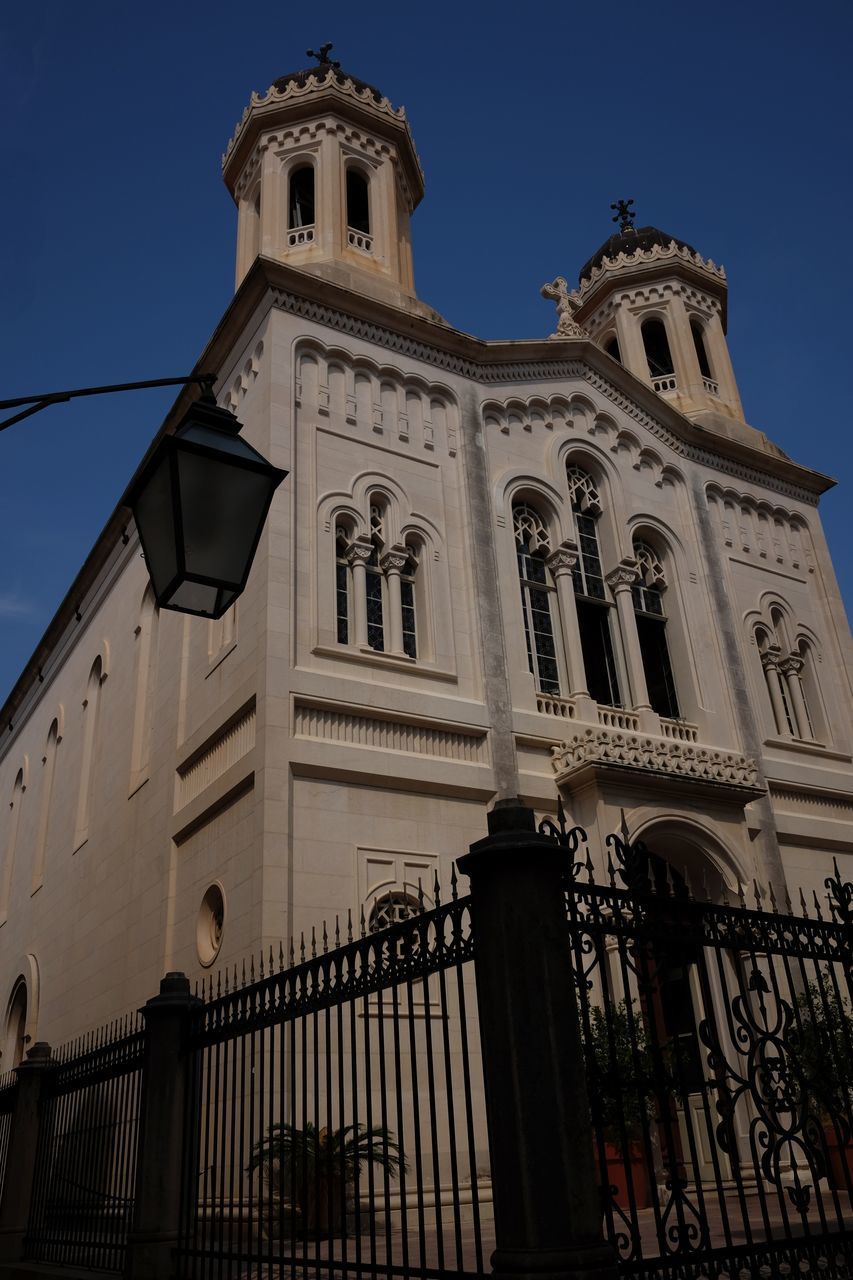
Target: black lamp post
(199, 503)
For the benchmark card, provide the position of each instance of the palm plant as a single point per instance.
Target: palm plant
(313, 1169)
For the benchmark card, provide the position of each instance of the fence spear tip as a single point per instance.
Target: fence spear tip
(803, 906)
(454, 891)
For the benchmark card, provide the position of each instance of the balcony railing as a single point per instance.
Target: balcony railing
(552, 705)
(300, 235)
(710, 385)
(665, 382)
(616, 718)
(359, 240)
(679, 730)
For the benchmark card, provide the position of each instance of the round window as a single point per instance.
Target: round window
(211, 921)
(391, 908)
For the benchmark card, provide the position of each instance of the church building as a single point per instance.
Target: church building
(560, 565)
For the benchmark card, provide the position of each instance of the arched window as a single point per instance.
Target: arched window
(408, 612)
(358, 201)
(300, 211)
(146, 678)
(611, 346)
(378, 592)
(342, 576)
(658, 355)
(651, 631)
(770, 652)
(12, 829)
(701, 353)
(374, 580)
(48, 771)
(537, 591)
(91, 707)
(811, 693)
(591, 602)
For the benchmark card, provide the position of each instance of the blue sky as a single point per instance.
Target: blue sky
(727, 123)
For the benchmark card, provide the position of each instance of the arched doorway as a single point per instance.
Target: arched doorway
(684, 989)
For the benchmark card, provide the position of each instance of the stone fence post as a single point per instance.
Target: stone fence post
(548, 1217)
(21, 1152)
(166, 1095)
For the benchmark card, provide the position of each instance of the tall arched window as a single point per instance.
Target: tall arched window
(358, 209)
(342, 576)
(300, 210)
(374, 593)
(358, 201)
(12, 828)
(811, 692)
(701, 351)
(146, 634)
(651, 630)
(91, 706)
(771, 653)
(611, 346)
(48, 771)
(537, 592)
(408, 612)
(658, 355)
(591, 601)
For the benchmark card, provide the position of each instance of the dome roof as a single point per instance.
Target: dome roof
(628, 242)
(323, 72)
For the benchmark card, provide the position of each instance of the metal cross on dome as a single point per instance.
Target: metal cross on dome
(624, 214)
(322, 56)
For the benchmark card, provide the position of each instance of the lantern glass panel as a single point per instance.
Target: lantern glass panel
(154, 515)
(222, 509)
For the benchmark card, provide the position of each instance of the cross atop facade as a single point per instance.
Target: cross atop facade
(567, 326)
(624, 214)
(322, 56)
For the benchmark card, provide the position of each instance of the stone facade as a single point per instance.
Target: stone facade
(180, 793)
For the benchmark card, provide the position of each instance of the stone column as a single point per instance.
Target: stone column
(631, 347)
(164, 1122)
(21, 1152)
(685, 359)
(561, 562)
(392, 564)
(770, 663)
(360, 551)
(790, 668)
(621, 580)
(547, 1206)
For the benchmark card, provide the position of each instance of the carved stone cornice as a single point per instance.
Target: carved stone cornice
(599, 753)
(564, 558)
(624, 576)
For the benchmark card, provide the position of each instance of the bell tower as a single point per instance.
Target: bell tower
(325, 176)
(653, 303)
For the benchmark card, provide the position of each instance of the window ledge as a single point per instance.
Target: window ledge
(808, 747)
(374, 658)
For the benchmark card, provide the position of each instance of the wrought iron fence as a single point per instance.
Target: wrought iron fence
(719, 1048)
(83, 1187)
(338, 1104)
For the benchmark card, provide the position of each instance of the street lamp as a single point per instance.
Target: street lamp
(199, 503)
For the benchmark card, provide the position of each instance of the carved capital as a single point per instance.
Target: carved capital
(623, 577)
(771, 658)
(394, 560)
(564, 558)
(360, 550)
(792, 665)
